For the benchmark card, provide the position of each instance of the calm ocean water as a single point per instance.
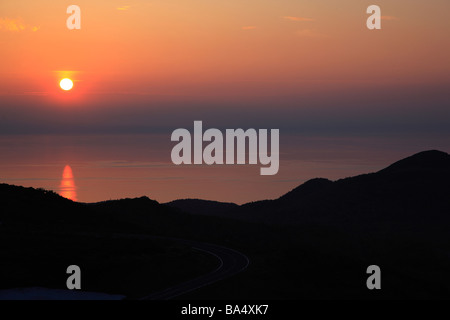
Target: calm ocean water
(93, 168)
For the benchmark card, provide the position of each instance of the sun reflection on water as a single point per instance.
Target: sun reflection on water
(67, 187)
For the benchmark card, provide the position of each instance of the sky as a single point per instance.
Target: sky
(309, 68)
(146, 65)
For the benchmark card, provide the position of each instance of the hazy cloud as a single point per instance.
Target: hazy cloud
(123, 8)
(302, 19)
(16, 25)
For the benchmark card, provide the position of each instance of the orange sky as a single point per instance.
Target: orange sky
(309, 68)
(192, 47)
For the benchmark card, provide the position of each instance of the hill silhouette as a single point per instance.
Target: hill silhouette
(423, 161)
(397, 218)
(419, 182)
(410, 188)
(203, 207)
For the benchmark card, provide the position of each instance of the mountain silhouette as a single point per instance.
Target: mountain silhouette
(413, 187)
(423, 161)
(309, 187)
(315, 241)
(203, 207)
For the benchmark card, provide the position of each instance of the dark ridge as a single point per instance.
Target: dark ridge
(426, 160)
(12, 193)
(411, 190)
(315, 241)
(408, 188)
(127, 204)
(202, 207)
(309, 187)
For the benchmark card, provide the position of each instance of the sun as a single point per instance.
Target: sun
(66, 84)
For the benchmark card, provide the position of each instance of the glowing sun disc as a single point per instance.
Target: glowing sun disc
(66, 84)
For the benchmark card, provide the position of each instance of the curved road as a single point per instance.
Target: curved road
(231, 262)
